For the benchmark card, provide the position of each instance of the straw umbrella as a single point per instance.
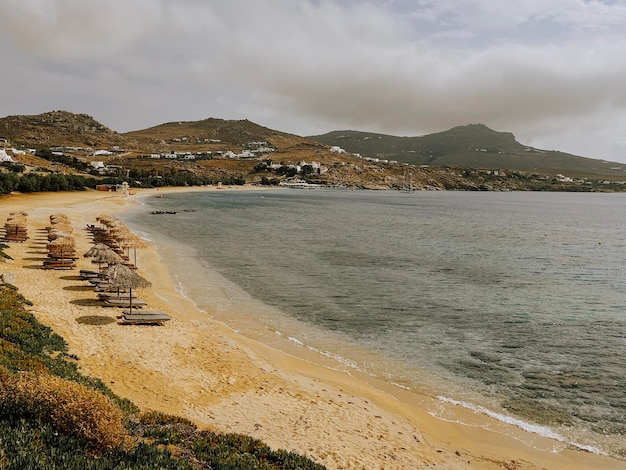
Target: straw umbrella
(122, 277)
(59, 232)
(59, 218)
(15, 225)
(129, 240)
(60, 245)
(94, 250)
(101, 253)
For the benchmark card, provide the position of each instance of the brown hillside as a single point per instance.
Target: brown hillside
(59, 128)
(217, 134)
(66, 129)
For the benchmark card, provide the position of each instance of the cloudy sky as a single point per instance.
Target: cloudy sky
(553, 72)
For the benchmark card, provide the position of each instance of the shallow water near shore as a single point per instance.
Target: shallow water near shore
(510, 304)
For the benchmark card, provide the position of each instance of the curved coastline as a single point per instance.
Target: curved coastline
(204, 370)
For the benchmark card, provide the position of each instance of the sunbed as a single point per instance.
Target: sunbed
(115, 295)
(144, 318)
(58, 266)
(125, 303)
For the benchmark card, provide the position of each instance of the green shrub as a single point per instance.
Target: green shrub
(32, 444)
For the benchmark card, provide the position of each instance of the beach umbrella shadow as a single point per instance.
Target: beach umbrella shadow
(87, 302)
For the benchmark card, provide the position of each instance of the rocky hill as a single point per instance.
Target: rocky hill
(59, 128)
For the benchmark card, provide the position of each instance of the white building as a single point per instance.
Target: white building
(4, 157)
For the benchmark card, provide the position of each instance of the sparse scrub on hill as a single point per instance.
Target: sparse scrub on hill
(72, 162)
(13, 167)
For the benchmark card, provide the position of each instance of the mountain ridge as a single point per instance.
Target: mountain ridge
(468, 146)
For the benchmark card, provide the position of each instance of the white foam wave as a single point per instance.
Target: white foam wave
(403, 387)
(528, 427)
(295, 340)
(337, 358)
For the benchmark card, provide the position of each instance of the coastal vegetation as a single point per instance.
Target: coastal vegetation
(52, 416)
(36, 182)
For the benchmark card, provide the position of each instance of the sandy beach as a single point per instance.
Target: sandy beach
(198, 368)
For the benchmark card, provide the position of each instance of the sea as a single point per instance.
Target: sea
(508, 304)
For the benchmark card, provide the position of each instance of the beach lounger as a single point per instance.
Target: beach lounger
(59, 261)
(58, 266)
(125, 303)
(63, 259)
(115, 295)
(144, 318)
(87, 274)
(110, 289)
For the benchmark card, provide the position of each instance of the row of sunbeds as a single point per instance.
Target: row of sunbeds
(118, 297)
(15, 227)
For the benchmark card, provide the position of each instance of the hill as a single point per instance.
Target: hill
(59, 128)
(66, 129)
(213, 132)
(213, 150)
(470, 146)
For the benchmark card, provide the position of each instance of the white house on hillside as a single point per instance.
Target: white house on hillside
(4, 157)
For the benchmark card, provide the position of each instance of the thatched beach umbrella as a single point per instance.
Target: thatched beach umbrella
(59, 228)
(105, 220)
(105, 255)
(59, 218)
(121, 277)
(94, 250)
(129, 240)
(61, 245)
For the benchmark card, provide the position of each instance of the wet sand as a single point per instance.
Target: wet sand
(196, 367)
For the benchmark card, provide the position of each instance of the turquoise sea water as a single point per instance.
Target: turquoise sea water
(512, 304)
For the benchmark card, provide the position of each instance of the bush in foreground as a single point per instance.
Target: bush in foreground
(72, 408)
(49, 414)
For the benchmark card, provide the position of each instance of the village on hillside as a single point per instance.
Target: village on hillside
(204, 157)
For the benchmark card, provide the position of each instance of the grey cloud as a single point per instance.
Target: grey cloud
(306, 67)
(76, 29)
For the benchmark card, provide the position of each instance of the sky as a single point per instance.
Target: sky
(552, 72)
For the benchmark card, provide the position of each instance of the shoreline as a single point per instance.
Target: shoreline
(201, 369)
